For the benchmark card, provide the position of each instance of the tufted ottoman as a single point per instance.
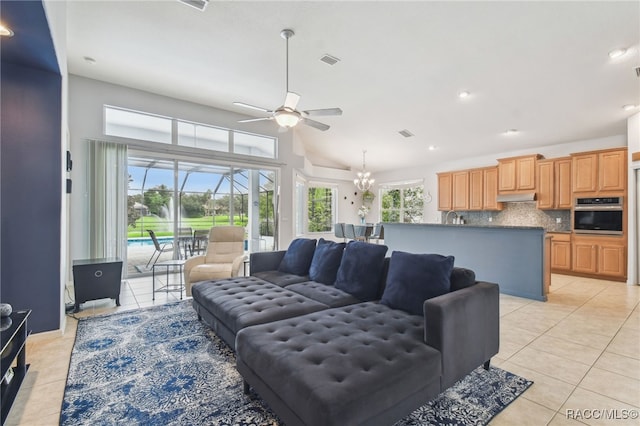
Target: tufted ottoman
(230, 305)
(359, 364)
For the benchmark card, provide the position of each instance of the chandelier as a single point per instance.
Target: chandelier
(364, 180)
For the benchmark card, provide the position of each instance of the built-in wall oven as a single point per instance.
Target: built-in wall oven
(598, 215)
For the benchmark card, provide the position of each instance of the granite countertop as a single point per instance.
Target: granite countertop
(468, 226)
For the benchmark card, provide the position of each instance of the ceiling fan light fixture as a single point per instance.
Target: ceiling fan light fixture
(617, 53)
(5, 31)
(287, 118)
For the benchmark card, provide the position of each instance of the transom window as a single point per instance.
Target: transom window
(138, 125)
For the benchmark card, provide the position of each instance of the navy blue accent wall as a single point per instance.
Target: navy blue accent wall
(30, 165)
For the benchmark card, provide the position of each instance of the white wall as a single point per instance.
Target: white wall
(86, 100)
(633, 263)
(56, 12)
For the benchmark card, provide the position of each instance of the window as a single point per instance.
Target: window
(255, 145)
(402, 204)
(136, 125)
(143, 126)
(320, 208)
(201, 136)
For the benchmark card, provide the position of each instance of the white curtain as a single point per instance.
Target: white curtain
(108, 200)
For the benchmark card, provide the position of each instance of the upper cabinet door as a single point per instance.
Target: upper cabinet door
(546, 188)
(444, 191)
(563, 197)
(612, 170)
(461, 190)
(507, 175)
(476, 190)
(585, 173)
(526, 173)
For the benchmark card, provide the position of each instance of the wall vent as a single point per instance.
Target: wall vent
(637, 71)
(329, 60)
(405, 133)
(198, 4)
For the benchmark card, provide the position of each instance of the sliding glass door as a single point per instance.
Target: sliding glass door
(176, 202)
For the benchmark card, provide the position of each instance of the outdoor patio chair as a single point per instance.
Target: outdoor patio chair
(166, 247)
(200, 239)
(222, 259)
(185, 240)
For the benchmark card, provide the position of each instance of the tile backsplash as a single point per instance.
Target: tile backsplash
(519, 214)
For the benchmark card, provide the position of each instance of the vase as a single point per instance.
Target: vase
(362, 221)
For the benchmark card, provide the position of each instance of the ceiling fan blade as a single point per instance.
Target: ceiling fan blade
(316, 124)
(324, 111)
(250, 120)
(242, 104)
(291, 101)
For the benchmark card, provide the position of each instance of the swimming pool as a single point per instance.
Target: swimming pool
(141, 241)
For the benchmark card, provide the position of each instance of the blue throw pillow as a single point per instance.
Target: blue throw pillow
(414, 278)
(298, 256)
(326, 261)
(361, 268)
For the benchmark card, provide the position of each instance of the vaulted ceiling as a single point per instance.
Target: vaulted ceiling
(542, 68)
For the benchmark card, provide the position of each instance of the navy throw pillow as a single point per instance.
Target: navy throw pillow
(360, 271)
(326, 261)
(414, 278)
(298, 256)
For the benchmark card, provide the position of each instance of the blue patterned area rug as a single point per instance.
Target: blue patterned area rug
(161, 366)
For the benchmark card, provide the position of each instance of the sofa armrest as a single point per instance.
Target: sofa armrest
(464, 326)
(265, 261)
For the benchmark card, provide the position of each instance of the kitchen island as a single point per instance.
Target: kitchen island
(511, 256)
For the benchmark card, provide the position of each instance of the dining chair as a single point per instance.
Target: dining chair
(349, 231)
(378, 233)
(338, 230)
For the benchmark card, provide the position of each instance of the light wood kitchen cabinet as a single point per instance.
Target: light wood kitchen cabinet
(476, 189)
(445, 191)
(490, 189)
(517, 174)
(563, 195)
(600, 171)
(554, 184)
(560, 252)
(460, 190)
(599, 256)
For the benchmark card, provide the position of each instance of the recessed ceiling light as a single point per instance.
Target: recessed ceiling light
(616, 53)
(89, 60)
(511, 131)
(629, 107)
(464, 94)
(432, 147)
(5, 31)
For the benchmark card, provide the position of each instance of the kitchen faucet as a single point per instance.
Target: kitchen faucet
(446, 218)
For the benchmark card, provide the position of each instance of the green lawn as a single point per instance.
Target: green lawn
(163, 227)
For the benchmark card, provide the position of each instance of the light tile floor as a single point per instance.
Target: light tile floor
(581, 348)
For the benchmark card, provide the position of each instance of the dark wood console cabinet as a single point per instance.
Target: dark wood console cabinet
(14, 357)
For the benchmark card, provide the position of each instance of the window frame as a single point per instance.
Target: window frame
(402, 186)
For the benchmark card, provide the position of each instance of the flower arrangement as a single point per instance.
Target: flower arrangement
(363, 211)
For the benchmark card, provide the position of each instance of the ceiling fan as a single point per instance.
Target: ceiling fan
(287, 115)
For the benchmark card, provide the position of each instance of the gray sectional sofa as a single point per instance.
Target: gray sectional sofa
(367, 344)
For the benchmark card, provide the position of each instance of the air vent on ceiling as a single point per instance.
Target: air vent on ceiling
(198, 4)
(329, 60)
(637, 71)
(405, 133)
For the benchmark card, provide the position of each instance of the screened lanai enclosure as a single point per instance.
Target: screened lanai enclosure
(177, 202)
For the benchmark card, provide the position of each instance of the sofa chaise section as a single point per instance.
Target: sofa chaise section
(232, 304)
(364, 364)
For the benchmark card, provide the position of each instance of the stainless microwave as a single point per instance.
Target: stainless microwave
(598, 215)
